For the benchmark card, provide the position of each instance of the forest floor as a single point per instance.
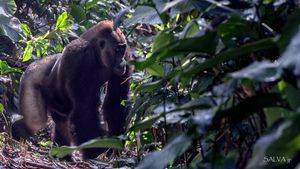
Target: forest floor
(29, 155)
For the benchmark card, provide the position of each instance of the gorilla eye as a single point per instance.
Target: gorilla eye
(101, 44)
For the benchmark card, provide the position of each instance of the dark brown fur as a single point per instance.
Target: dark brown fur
(67, 86)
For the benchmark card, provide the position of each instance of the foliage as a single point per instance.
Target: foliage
(216, 84)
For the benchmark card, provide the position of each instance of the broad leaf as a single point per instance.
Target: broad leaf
(203, 44)
(7, 7)
(95, 143)
(9, 26)
(160, 159)
(232, 54)
(25, 29)
(28, 51)
(264, 71)
(144, 14)
(78, 13)
(62, 22)
(5, 68)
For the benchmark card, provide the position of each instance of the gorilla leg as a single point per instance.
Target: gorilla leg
(87, 127)
(61, 134)
(115, 113)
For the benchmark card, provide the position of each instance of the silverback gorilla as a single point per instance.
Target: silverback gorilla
(67, 86)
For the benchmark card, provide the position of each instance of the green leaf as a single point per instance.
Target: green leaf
(5, 68)
(41, 45)
(231, 54)
(149, 87)
(1, 106)
(190, 30)
(162, 39)
(235, 27)
(8, 7)
(203, 44)
(163, 7)
(291, 94)
(274, 114)
(94, 143)
(28, 51)
(62, 151)
(78, 13)
(290, 58)
(9, 26)
(62, 22)
(263, 144)
(146, 124)
(289, 30)
(143, 14)
(264, 71)
(25, 29)
(160, 159)
(284, 141)
(90, 4)
(156, 70)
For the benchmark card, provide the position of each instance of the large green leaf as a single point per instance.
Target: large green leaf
(234, 28)
(291, 94)
(62, 21)
(5, 68)
(264, 71)
(203, 44)
(260, 149)
(163, 6)
(7, 7)
(283, 143)
(160, 159)
(78, 13)
(95, 143)
(231, 54)
(9, 26)
(143, 14)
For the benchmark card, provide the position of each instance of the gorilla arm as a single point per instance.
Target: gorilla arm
(114, 112)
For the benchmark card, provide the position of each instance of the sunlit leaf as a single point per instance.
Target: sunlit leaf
(25, 29)
(259, 71)
(5, 68)
(62, 22)
(162, 7)
(28, 51)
